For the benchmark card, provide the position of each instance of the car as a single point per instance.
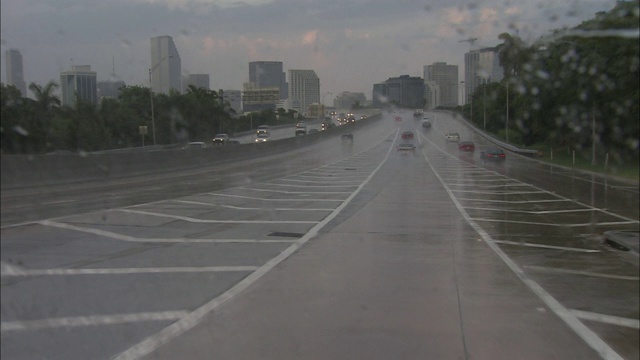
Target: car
(493, 154)
(263, 129)
(452, 137)
(347, 136)
(406, 147)
(327, 125)
(407, 135)
(398, 118)
(362, 117)
(194, 145)
(220, 139)
(351, 118)
(301, 128)
(262, 138)
(417, 113)
(313, 131)
(467, 146)
(426, 124)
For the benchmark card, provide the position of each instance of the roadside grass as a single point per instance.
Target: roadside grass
(563, 157)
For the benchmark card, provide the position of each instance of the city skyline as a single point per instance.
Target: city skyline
(351, 44)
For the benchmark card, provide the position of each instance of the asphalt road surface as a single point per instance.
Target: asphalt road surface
(341, 250)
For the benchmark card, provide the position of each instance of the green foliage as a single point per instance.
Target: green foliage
(558, 90)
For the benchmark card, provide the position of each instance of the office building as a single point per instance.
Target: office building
(446, 77)
(15, 70)
(304, 90)
(109, 89)
(481, 66)
(268, 74)
(197, 80)
(431, 94)
(78, 83)
(347, 100)
(259, 98)
(379, 95)
(405, 91)
(166, 67)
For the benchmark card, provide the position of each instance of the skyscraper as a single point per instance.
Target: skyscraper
(304, 90)
(197, 80)
(405, 91)
(268, 74)
(481, 66)
(166, 67)
(446, 77)
(80, 81)
(15, 71)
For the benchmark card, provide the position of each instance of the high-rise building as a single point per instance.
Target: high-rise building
(109, 89)
(80, 81)
(15, 70)
(259, 98)
(446, 76)
(347, 99)
(480, 67)
(197, 80)
(166, 66)
(304, 90)
(405, 91)
(268, 74)
(379, 95)
(431, 94)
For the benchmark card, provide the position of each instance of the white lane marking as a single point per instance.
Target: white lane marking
(59, 202)
(582, 273)
(194, 318)
(563, 248)
(350, 182)
(93, 320)
(116, 236)
(607, 319)
(298, 192)
(552, 224)
(205, 221)
(126, 271)
(595, 342)
(517, 201)
(498, 192)
(269, 199)
(313, 186)
(541, 212)
(474, 181)
(248, 208)
(490, 186)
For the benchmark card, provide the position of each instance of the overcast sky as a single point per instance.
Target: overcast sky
(351, 44)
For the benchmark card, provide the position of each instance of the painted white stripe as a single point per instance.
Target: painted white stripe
(121, 237)
(498, 192)
(351, 183)
(328, 176)
(474, 180)
(541, 212)
(516, 201)
(489, 186)
(194, 318)
(582, 273)
(563, 248)
(59, 202)
(557, 225)
(595, 342)
(607, 319)
(299, 192)
(269, 199)
(249, 208)
(94, 320)
(314, 186)
(205, 221)
(126, 271)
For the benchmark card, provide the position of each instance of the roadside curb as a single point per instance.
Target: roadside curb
(623, 240)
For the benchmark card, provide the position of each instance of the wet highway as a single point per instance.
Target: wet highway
(345, 249)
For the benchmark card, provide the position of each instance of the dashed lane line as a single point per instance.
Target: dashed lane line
(10, 271)
(552, 224)
(541, 212)
(607, 319)
(248, 208)
(299, 192)
(93, 320)
(211, 221)
(542, 246)
(582, 273)
(270, 199)
(121, 237)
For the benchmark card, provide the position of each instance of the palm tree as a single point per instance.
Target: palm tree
(44, 96)
(46, 102)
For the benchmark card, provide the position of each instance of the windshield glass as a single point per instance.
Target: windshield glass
(339, 179)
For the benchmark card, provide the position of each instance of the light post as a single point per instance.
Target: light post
(153, 119)
(506, 123)
(484, 105)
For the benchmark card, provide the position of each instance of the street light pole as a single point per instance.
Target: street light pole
(153, 119)
(484, 106)
(506, 124)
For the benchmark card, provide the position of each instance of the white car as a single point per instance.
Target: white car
(263, 129)
(220, 139)
(262, 138)
(452, 137)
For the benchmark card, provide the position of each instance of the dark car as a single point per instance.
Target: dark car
(327, 125)
(406, 147)
(493, 154)
(426, 124)
(407, 135)
(467, 146)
